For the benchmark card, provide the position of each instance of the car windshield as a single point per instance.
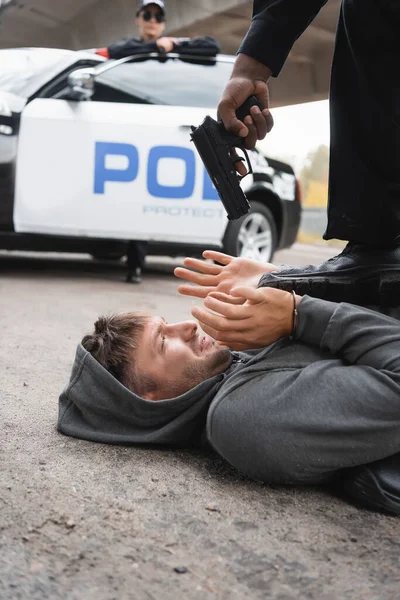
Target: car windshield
(174, 81)
(20, 67)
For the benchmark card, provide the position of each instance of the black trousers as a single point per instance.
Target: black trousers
(364, 180)
(136, 254)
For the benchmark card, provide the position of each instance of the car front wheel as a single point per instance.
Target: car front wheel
(252, 236)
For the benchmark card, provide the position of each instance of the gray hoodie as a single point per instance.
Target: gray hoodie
(293, 412)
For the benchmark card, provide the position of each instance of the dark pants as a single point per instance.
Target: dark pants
(364, 181)
(136, 255)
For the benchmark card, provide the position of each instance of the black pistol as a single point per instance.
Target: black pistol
(214, 144)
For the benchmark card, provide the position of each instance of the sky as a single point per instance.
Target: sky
(297, 130)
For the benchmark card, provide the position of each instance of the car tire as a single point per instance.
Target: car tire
(253, 236)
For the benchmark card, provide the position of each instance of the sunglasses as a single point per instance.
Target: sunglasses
(148, 15)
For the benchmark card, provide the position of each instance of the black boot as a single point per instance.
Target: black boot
(134, 276)
(376, 485)
(361, 274)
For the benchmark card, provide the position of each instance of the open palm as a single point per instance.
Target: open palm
(223, 277)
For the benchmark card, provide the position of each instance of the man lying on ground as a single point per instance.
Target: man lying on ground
(311, 387)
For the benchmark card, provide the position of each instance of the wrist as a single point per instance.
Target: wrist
(250, 68)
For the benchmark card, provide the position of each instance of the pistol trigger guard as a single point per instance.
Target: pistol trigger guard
(249, 167)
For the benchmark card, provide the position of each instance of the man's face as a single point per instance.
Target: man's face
(150, 22)
(177, 357)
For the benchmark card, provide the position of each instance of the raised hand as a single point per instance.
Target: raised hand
(231, 272)
(264, 317)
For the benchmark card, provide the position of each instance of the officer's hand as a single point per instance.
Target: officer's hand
(223, 277)
(249, 77)
(266, 316)
(166, 43)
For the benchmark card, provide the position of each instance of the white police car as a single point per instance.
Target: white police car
(92, 158)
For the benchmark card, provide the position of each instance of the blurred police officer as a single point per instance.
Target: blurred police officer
(150, 22)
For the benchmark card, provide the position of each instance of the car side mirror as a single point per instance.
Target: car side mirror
(82, 84)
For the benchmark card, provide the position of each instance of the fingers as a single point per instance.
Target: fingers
(237, 90)
(227, 114)
(195, 277)
(261, 119)
(259, 122)
(220, 257)
(202, 266)
(205, 273)
(196, 291)
(269, 119)
(252, 136)
(223, 336)
(226, 297)
(270, 268)
(249, 293)
(237, 160)
(226, 305)
(217, 323)
(261, 91)
(214, 333)
(228, 338)
(192, 276)
(164, 43)
(229, 316)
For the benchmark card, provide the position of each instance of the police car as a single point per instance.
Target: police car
(95, 153)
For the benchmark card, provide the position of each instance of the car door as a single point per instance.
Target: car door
(121, 165)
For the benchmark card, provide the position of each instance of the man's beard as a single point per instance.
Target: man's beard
(194, 374)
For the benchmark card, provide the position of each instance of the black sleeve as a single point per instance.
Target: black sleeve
(198, 46)
(275, 27)
(130, 47)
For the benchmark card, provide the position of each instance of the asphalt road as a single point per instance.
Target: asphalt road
(84, 521)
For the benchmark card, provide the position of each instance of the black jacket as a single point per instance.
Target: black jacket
(275, 27)
(198, 46)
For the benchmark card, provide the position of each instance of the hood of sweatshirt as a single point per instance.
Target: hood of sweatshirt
(95, 406)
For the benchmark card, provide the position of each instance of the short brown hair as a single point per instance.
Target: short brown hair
(113, 345)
